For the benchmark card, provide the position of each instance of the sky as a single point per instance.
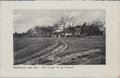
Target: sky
(26, 19)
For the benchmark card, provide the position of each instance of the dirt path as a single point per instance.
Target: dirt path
(68, 58)
(48, 58)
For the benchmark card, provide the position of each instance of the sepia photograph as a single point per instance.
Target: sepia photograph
(59, 37)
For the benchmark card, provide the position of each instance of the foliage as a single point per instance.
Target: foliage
(67, 23)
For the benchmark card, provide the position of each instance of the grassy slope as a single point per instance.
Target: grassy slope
(25, 47)
(30, 46)
(82, 44)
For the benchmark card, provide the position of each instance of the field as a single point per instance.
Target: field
(61, 51)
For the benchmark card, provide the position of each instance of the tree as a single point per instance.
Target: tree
(72, 29)
(46, 31)
(37, 29)
(83, 28)
(71, 21)
(67, 21)
(97, 22)
(30, 31)
(63, 22)
(55, 27)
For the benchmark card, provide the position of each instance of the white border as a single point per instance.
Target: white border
(112, 42)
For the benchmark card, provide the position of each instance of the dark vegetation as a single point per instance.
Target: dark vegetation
(74, 30)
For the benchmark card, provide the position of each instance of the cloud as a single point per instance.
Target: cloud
(92, 16)
(45, 21)
(96, 14)
(23, 27)
(25, 20)
(18, 17)
(75, 13)
(66, 13)
(72, 14)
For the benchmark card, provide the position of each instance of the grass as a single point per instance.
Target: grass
(23, 42)
(78, 45)
(27, 47)
(88, 59)
(82, 44)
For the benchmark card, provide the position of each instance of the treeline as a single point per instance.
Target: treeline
(94, 29)
(40, 31)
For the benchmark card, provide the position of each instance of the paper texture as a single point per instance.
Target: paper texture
(21, 13)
